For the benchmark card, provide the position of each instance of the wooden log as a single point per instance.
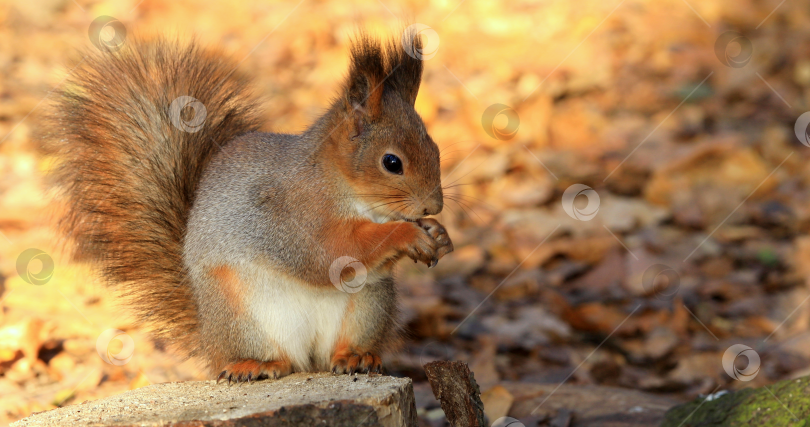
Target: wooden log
(298, 400)
(454, 386)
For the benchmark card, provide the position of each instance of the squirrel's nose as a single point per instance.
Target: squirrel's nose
(433, 207)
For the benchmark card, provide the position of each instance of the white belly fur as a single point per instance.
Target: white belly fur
(303, 320)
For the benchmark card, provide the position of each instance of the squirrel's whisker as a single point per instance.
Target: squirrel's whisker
(469, 172)
(456, 185)
(461, 195)
(464, 205)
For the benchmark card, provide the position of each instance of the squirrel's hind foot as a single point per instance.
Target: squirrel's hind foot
(249, 370)
(350, 362)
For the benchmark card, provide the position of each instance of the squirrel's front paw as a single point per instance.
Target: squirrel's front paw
(431, 245)
(247, 370)
(350, 362)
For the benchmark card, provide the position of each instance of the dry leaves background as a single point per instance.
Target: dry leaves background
(714, 174)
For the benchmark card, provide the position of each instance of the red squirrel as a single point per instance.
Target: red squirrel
(225, 240)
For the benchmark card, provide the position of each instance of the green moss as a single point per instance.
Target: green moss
(786, 403)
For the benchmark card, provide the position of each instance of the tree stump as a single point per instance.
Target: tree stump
(298, 400)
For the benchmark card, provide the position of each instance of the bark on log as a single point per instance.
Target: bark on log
(298, 400)
(454, 386)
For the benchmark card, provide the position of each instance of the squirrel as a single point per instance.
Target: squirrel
(230, 243)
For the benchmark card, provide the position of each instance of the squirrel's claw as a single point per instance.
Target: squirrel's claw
(431, 247)
(353, 363)
(249, 370)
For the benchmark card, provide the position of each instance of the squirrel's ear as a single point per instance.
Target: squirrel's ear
(364, 89)
(406, 64)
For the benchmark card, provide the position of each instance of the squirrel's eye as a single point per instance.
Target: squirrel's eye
(392, 164)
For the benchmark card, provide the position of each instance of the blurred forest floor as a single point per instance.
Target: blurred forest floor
(695, 163)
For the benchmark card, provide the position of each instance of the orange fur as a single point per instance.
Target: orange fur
(371, 243)
(351, 355)
(231, 287)
(349, 359)
(248, 370)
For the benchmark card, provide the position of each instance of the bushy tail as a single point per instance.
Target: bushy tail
(132, 132)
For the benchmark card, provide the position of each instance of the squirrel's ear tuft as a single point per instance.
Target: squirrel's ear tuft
(395, 67)
(405, 64)
(366, 81)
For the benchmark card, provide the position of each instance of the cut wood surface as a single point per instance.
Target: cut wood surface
(298, 400)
